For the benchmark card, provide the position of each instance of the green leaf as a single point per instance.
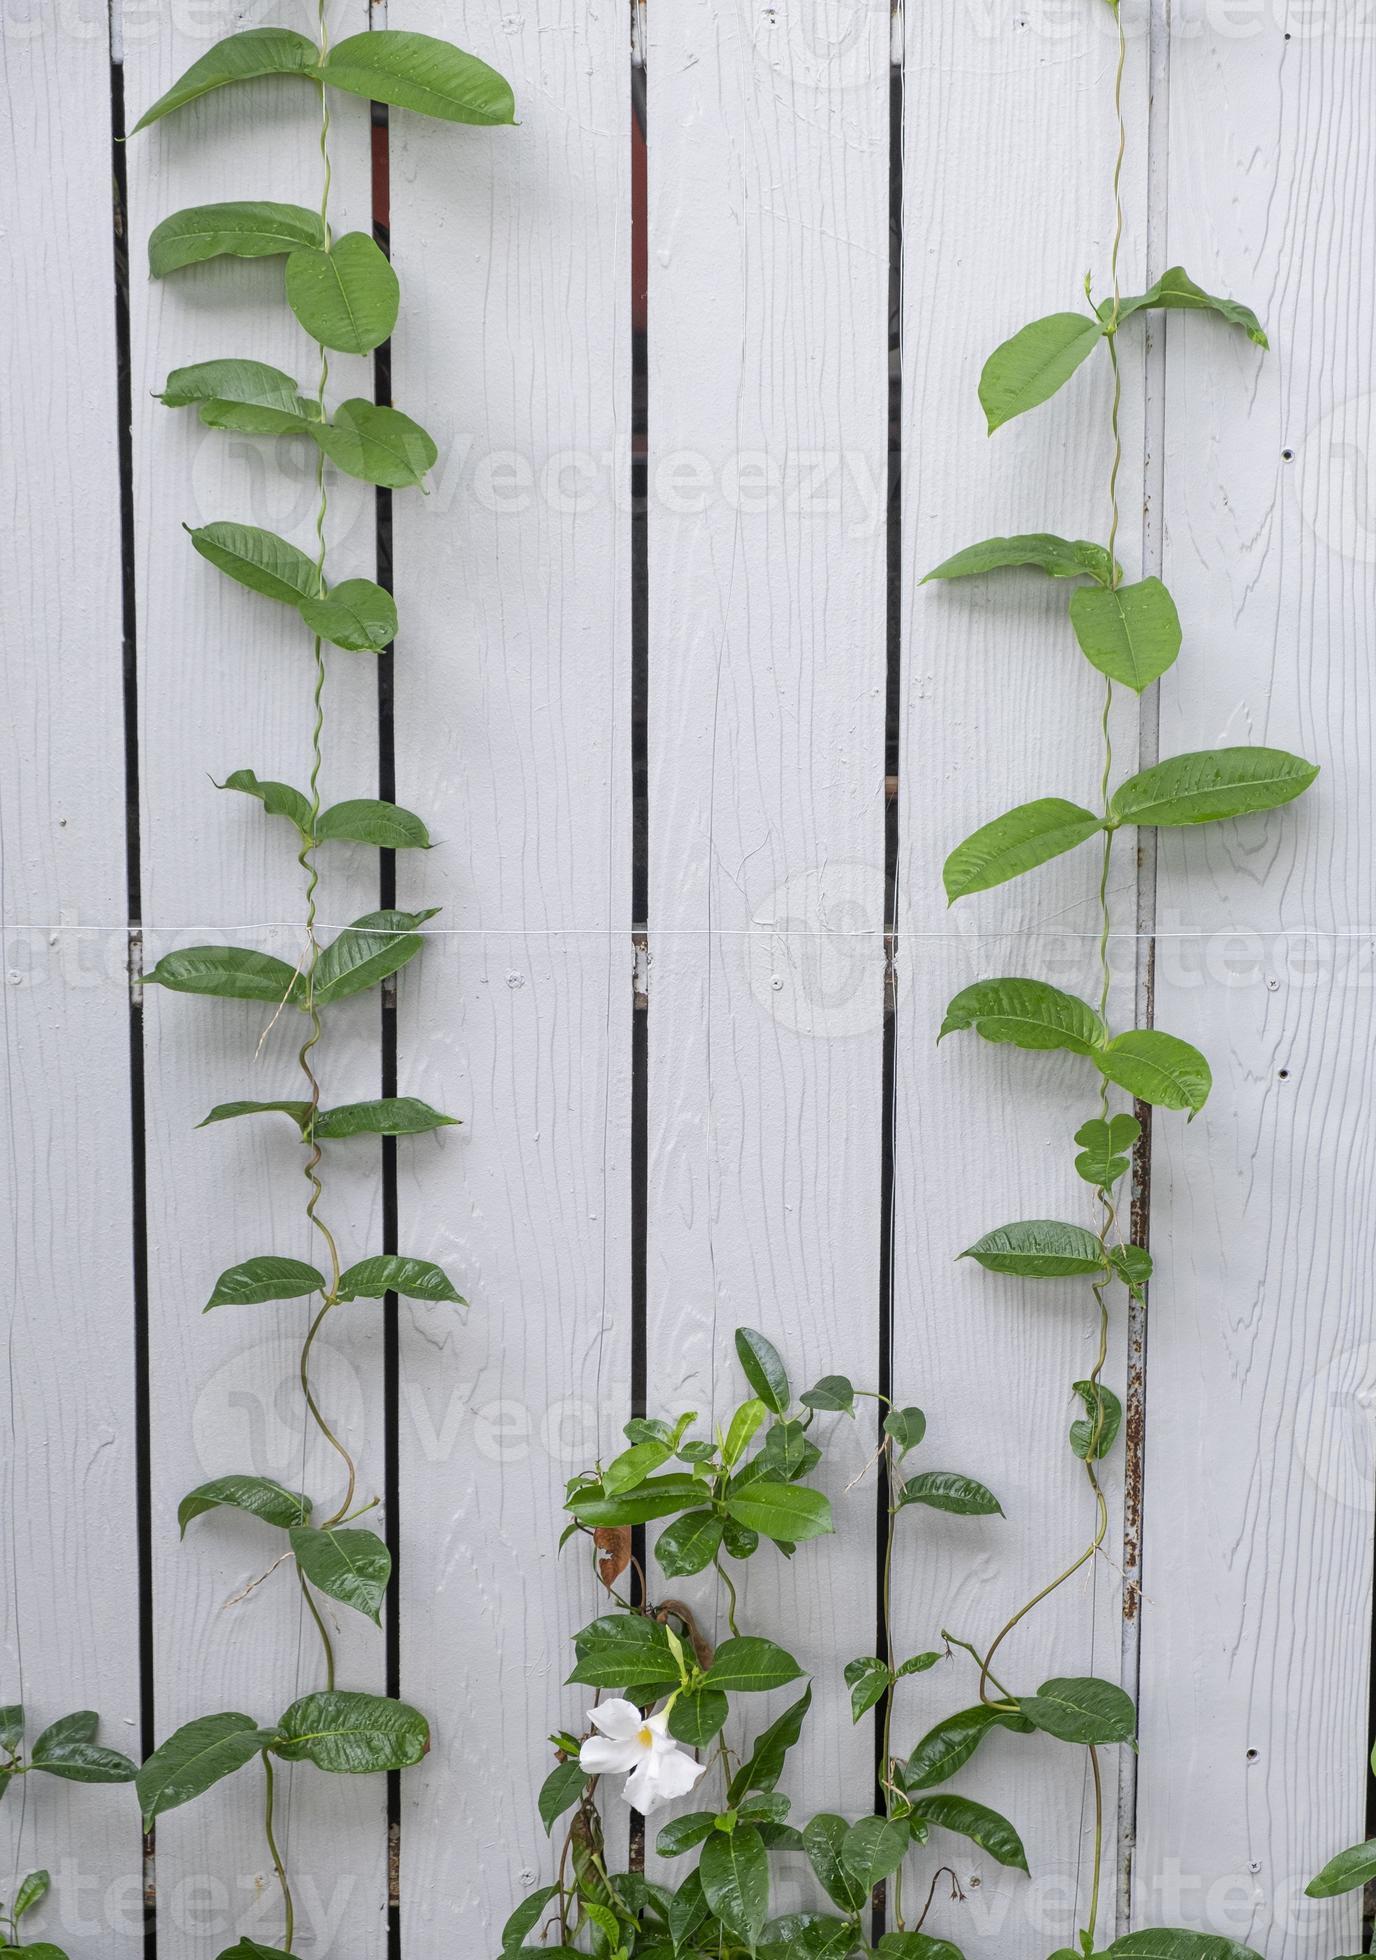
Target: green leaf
(365, 820)
(763, 1369)
(239, 58)
(949, 1746)
(906, 1428)
(415, 71)
(1106, 1149)
(11, 1726)
(1060, 557)
(1175, 291)
(1081, 1709)
(348, 297)
(824, 1838)
(809, 1936)
(1040, 358)
(624, 1649)
(833, 1394)
(873, 1849)
(80, 1726)
(787, 1513)
(384, 1116)
(633, 1466)
(747, 1664)
(946, 1490)
(982, 1826)
(1158, 1068)
(251, 1950)
(688, 1910)
(260, 560)
(259, 1496)
(559, 1792)
(764, 1765)
(1027, 1013)
(266, 1277)
(689, 1544)
(680, 1834)
(526, 1918)
(1018, 841)
(198, 1755)
(660, 1497)
(1166, 1943)
(353, 1734)
(1093, 1435)
(744, 1424)
(787, 1452)
(917, 1946)
(83, 1762)
(372, 948)
(387, 1272)
(869, 1680)
(239, 230)
(228, 972)
(1038, 1248)
(698, 1717)
(1131, 633)
(278, 799)
(377, 445)
(734, 1870)
(1132, 1263)
(247, 396)
(353, 1567)
(1351, 1868)
(1212, 785)
(356, 615)
(31, 1892)
(919, 1664)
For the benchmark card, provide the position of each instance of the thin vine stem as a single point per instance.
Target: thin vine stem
(270, 1831)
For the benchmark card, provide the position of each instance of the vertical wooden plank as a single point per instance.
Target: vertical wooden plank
(513, 737)
(1009, 148)
(768, 365)
(226, 681)
(69, 1622)
(1258, 1526)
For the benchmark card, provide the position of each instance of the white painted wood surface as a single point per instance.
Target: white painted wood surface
(768, 256)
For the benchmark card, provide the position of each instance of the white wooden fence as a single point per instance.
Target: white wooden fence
(760, 980)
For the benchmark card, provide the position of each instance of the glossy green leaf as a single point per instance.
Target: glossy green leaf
(949, 1746)
(946, 1490)
(365, 820)
(1039, 359)
(351, 1566)
(975, 1821)
(1093, 1435)
(1018, 841)
(919, 1664)
(734, 1870)
(356, 615)
(1027, 1013)
(1211, 786)
(689, 1544)
(680, 1834)
(248, 396)
(387, 1272)
(252, 1950)
(741, 1430)
(353, 1734)
(83, 1762)
(260, 560)
(1106, 1149)
(199, 1754)
(809, 1936)
(526, 1918)
(660, 1497)
(763, 1369)
(32, 1891)
(869, 1680)
(266, 1277)
(833, 1393)
(764, 1765)
(1059, 557)
(11, 1726)
(1158, 1068)
(748, 1664)
(1130, 633)
(824, 1838)
(633, 1466)
(918, 1946)
(385, 1116)
(372, 948)
(1175, 291)
(787, 1452)
(377, 445)
(415, 71)
(624, 1649)
(228, 973)
(688, 1910)
(1081, 1709)
(1038, 1248)
(346, 298)
(80, 1726)
(787, 1513)
(239, 58)
(873, 1849)
(1351, 1868)
(238, 230)
(905, 1428)
(278, 799)
(559, 1792)
(259, 1496)
(1167, 1943)
(1132, 1263)
(698, 1717)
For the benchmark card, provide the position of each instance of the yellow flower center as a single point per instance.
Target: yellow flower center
(646, 1739)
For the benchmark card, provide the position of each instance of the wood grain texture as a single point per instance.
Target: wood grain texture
(225, 683)
(768, 336)
(69, 1611)
(513, 736)
(1259, 1498)
(1003, 219)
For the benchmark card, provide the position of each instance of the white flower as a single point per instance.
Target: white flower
(659, 1770)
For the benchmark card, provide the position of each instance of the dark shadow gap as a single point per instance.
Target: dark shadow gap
(133, 880)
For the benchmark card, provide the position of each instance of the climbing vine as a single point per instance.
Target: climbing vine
(345, 296)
